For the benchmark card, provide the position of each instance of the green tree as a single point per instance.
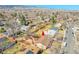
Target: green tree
(2, 30)
(53, 19)
(14, 14)
(1, 15)
(22, 19)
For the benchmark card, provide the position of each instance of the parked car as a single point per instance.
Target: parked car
(65, 44)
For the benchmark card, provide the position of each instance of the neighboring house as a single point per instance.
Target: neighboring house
(8, 32)
(1, 23)
(58, 25)
(18, 21)
(24, 28)
(47, 20)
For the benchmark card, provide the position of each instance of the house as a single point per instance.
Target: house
(58, 25)
(47, 19)
(18, 21)
(8, 32)
(41, 46)
(1, 23)
(51, 32)
(24, 28)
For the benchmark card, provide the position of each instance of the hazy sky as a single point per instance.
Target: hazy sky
(65, 7)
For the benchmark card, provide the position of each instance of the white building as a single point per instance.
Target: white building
(51, 32)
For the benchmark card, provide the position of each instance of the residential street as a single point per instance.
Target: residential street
(69, 40)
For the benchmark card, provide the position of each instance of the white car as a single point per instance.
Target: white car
(64, 44)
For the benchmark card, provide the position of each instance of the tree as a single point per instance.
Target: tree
(42, 17)
(2, 30)
(1, 15)
(22, 19)
(53, 19)
(14, 14)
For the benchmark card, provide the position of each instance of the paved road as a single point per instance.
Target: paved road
(69, 40)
